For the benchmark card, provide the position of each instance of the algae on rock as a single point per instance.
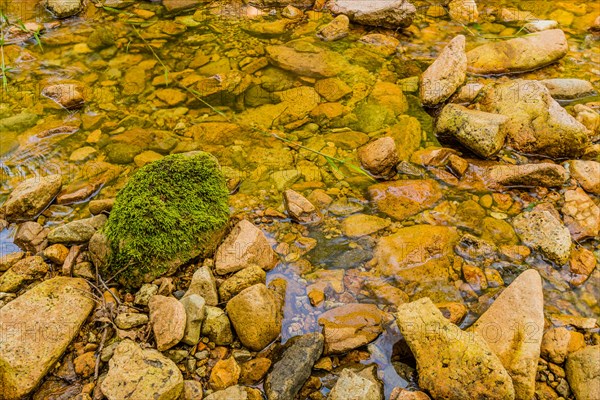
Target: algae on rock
(170, 211)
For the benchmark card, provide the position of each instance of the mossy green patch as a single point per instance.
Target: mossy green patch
(170, 211)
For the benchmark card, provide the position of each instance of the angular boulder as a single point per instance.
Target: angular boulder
(481, 132)
(79, 231)
(294, 366)
(31, 197)
(300, 209)
(520, 54)
(194, 311)
(513, 328)
(537, 123)
(451, 364)
(244, 246)
(140, 374)
(37, 328)
(204, 285)
(447, 73)
(256, 316)
(168, 319)
(541, 230)
(22, 272)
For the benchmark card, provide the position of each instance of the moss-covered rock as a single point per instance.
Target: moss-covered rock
(170, 211)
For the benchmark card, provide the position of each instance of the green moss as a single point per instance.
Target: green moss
(169, 212)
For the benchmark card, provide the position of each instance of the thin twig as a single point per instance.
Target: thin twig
(99, 352)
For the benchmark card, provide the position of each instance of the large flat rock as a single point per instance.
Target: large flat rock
(519, 54)
(36, 328)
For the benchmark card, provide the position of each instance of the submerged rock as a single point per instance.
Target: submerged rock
(169, 212)
(67, 95)
(244, 246)
(64, 8)
(419, 253)
(520, 54)
(446, 74)
(37, 328)
(294, 366)
(405, 198)
(541, 25)
(537, 123)
(568, 89)
(335, 30)
(542, 174)
(463, 11)
(390, 14)
(481, 132)
(139, 374)
(543, 231)
(30, 197)
(362, 224)
(303, 58)
(513, 328)
(451, 364)
(350, 326)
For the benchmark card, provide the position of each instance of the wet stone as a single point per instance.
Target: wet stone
(446, 74)
(31, 197)
(300, 208)
(31, 237)
(294, 366)
(350, 326)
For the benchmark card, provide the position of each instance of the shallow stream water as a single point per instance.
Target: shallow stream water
(129, 119)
